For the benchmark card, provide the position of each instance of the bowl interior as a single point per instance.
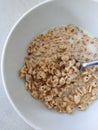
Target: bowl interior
(53, 13)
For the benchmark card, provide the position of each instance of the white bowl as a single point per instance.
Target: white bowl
(83, 13)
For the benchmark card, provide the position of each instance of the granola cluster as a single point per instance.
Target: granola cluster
(52, 74)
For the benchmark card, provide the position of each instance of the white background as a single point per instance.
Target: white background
(10, 12)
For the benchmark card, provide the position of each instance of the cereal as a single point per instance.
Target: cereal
(52, 74)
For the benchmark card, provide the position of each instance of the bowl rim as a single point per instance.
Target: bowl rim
(2, 62)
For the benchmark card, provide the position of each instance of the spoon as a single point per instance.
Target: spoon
(87, 64)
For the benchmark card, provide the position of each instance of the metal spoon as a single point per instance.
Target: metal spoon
(87, 64)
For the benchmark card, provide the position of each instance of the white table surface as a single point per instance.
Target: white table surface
(10, 12)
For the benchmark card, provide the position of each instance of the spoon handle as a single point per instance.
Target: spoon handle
(92, 63)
